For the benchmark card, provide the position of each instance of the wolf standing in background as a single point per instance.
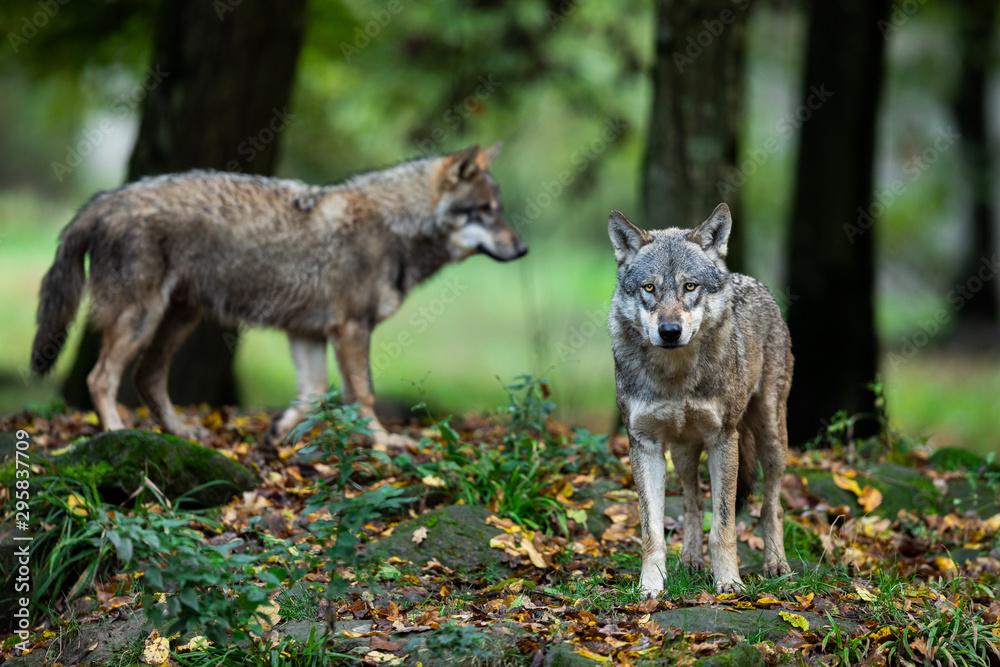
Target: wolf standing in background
(319, 262)
(703, 360)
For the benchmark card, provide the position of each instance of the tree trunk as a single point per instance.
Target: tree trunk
(831, 281)
(219, 86)
(978, 317)
(698, 86)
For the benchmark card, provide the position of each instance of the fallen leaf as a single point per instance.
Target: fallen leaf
(382, 643)
(268, 615)
(419, 535)
(156, 651)
(944, 563)
(864, 593)
(433, 480)
(847, 484)
(795, 620)
(197, 643)
(870, 498)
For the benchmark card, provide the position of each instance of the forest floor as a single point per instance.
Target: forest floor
(504, 540)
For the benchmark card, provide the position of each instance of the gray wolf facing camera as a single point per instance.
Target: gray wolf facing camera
(703, 361)
(319, 262)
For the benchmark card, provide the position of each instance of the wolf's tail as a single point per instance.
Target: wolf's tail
(746, 477)
(61, 289)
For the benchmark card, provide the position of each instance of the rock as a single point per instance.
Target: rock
(741, 655)
(901, 488)
(116, 461)
(597, 520)
(111, 639)
(952, 458)
(561, 654)
(753, 623)
(457, 536)
(8, 446)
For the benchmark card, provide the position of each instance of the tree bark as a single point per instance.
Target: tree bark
(219, 88)
(979, 317)
(831, 281)
(698, 90)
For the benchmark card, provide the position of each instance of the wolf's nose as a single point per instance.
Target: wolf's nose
(520, 249)
(670, 332)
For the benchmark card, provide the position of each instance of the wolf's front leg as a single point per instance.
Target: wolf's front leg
(649, 470)
(723, 466)
(309, 356)
(351, 341)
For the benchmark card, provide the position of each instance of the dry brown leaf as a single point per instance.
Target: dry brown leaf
(419, 535)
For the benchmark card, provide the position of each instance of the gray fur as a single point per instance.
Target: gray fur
(721, 385)
(318, 262)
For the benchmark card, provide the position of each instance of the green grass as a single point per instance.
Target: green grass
(543, 314)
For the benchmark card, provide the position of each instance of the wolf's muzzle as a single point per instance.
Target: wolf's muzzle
(670, 333)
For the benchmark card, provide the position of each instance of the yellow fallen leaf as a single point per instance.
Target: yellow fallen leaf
(767, 599)
(805, 600)
(197, 643)
(419, 535)
(433, 480)
(580, 516)
(870, 498)
(156, 651)
(994, 522)
(268, 615)
(92, 418)
(579, 650)
(847, 484)
(536, 558)
(864, 593)
(77, 505)
(944, 563)
(795, 620)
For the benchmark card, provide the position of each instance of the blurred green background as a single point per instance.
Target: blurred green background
(543, 314)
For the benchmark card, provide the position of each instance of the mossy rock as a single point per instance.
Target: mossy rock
(597, 520)
(901, 488)
(952, 458)
(802, 546)
(457, 536)
(117, 460)
(751, 623)
(741, 655)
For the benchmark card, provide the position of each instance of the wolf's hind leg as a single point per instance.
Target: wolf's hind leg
(772, 451)
(121, 339)
(649, 470)
(685, 461)
(309, 356)
(153, 369)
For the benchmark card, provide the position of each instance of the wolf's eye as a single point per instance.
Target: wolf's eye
(689, 287)
(649, 287)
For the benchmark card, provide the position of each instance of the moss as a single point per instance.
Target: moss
(116, 461)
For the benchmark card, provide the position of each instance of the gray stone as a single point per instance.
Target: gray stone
(741, 655)
(756, 623)
(112, 639)
(457, 536)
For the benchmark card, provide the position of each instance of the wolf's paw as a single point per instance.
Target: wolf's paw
(384, 441)
(191, 431)
(730, 586)
(695, 563)
(776, 568)
(651, 583)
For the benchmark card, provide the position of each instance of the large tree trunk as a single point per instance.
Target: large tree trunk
(978, 322)
(221, 77)
(832, 243)
(698, 88)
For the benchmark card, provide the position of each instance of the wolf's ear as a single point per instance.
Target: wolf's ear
(461, 166)
(486, 156)
(625, 237)
(713, 234)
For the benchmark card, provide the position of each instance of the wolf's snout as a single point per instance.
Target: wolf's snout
(670, 332)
